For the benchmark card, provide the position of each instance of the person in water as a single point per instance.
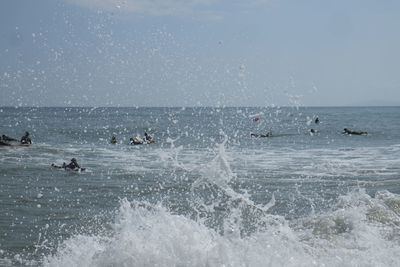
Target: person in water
(348, 131)
(73, 165)
(26, 139)
(316, 120)
(148, 137)
(268, 134)
(7, 138)
(113, 140)
(135, 140)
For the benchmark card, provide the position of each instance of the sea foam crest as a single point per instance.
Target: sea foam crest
(145, 234)
(149, 235)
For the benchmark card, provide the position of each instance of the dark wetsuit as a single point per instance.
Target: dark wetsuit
(7, 138)
(147, 137)
(269, 134)
(25, 139)
(72, 165)
(347, 131)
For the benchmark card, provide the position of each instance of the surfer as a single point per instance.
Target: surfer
(9, 141)
(73, 166)
(148, 138)
(348, 131)
(316, 120)
(313, 132)
(113, 140)
(268, 134)
(4, 142)
(26, 139)
(7, 138)
(135, 140)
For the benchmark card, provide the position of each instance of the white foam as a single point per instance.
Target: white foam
(150, 235)
(146, 235)
(373, 161)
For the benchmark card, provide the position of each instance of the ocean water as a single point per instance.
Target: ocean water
(206, 193)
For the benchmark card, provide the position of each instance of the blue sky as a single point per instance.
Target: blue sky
(199, 52)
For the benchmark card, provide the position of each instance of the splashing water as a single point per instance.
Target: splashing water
(149, 235)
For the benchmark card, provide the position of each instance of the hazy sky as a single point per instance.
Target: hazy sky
(199, 52)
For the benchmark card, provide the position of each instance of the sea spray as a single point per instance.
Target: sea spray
(350, 235)
(149, 235)
(222, 207)
(145, 234)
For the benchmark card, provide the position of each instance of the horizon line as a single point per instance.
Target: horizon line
(271, 106)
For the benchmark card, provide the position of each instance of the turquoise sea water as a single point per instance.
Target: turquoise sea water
(206, 193)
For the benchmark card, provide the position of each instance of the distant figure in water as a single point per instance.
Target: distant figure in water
(313, 132)
(148, 138)
(113, 140)
(26, 139)
(135, 140)
(348, 131)
(73, 166)
(7, 138)
(316, 120)
(269, 134)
